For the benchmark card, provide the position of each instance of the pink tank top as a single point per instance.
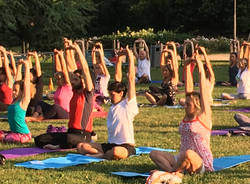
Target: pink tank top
(196, 136)
(63, 96)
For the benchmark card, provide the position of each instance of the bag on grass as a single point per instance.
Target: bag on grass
(161, 177)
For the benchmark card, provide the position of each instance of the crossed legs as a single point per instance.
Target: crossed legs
(95, 149)
(189, 161)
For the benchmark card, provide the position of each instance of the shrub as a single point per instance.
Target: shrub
(128, 36)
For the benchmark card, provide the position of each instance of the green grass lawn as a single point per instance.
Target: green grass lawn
(156, 127)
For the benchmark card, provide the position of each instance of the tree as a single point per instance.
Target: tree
(43, 23)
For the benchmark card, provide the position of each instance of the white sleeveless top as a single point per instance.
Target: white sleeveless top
(144, 68)
(243, 82)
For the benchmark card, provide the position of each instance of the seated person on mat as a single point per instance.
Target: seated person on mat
(62, 96)
(80, 123)
(101, 72)
(243, 82)
(120, 118)
(232, 71)
(143, 59)
(36, 79)
(19, 131)
(167, 91)
(6, 81)
(195, 154)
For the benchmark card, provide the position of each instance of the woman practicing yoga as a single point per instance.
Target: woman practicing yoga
(195, 155)
(6, 79)
(167, 89)
(101, 72)
(19, 131)
(62, 95)
(36, 86)
(243, 82)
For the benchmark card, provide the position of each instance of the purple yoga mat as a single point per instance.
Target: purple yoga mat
(228, 131)
(23, 152)
(242, 109)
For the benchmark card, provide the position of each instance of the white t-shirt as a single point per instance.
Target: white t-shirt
(243, 82)
(144, 68)
(101, 84)
(120, 122)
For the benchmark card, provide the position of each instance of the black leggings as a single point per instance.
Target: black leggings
(65, 140)
(51, 111)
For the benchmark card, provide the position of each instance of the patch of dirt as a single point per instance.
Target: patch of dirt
(219, 57)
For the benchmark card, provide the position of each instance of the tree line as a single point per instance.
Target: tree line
(43, 23)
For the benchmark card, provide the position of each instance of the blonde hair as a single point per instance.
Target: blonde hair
(195, 96)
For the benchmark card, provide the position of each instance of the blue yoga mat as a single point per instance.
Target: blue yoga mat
(76, 159)
(219, 164)
(59, 162)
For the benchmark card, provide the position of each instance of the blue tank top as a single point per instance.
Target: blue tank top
(16, 119)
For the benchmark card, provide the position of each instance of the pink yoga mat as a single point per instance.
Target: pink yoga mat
(23, 152)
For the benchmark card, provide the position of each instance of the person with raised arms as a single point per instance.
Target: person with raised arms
(19, 131)
(101, 72)
(80, 123)
(6, 81)
(167, 89)
(121, 143)
(243, 82)
(143, 59)
(195, 154)
(36, 79)
(62, 95)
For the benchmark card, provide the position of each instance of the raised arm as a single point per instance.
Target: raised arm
(64, 67)
(135, 49)
(248, 64)
(26, 91)
(146, 49)
(13, 63)
(29, 58)
(163, 58)
(247, 53)
(204, 93)
(131, 75)
(189, 84)
(85, 68)
(37, 63)
(1, 61)
(57, 61)
(208, 64)
(18, 76)
(6, 67)
(118, 66)
(70, 59)
(102, 61)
